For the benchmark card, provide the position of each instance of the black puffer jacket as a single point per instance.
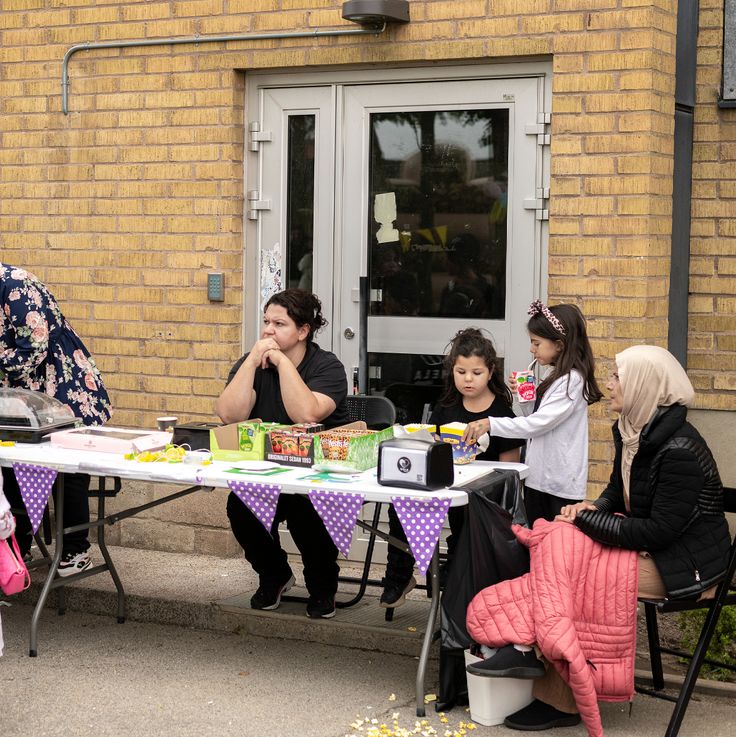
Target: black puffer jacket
(676, 500)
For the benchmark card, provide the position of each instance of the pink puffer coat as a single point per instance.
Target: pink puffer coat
(578, 604)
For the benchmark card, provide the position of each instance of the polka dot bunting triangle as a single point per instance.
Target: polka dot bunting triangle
(422, 520)
(338, 511)
(261, 499)
(35, 483)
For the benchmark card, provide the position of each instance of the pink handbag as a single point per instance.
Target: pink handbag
(14, 576)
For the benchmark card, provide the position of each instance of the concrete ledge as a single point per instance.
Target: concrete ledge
(210, 593)
(673, 683)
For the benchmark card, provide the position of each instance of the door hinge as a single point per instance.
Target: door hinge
(257, 136)
(256, 204)
(540, 129)
(539, 203)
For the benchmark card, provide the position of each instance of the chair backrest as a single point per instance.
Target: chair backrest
(377, 412)
(412, 399)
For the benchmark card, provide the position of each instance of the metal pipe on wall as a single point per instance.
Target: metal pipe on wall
(317, 33)
(682, 178)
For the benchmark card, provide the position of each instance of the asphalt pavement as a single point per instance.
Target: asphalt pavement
(194, 659)
(95, 677)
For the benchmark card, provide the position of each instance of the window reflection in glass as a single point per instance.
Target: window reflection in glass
(300, 202)
(449, 173)
(413, 382)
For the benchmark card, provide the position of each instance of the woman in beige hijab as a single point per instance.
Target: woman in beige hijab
(665, 495)
(664, 499)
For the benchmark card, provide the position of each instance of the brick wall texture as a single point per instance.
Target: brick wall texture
(124, 205)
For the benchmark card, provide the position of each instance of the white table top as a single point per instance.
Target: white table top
(218, 473)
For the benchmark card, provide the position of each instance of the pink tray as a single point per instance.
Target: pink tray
(110, 439)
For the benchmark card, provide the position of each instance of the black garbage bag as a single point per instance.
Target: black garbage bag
(485, 552)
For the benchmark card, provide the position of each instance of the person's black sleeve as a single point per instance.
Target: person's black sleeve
(234, 369)
(329, 378)
(674, 499)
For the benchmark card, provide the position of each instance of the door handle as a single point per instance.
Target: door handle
(349, 333)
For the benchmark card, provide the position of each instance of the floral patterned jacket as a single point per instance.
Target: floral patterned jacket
(39, 349)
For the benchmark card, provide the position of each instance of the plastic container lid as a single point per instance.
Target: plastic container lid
(22, 408)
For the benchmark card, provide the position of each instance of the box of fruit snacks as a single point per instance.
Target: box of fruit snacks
(241, 441)
(292, 445)
(349, 448)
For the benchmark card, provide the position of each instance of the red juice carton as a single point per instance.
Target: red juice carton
(526, 388)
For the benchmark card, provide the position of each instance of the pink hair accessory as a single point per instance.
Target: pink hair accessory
(537, 307)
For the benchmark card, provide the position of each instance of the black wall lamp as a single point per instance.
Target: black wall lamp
(376, 12)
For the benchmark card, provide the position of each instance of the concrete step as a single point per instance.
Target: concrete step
(210, 593)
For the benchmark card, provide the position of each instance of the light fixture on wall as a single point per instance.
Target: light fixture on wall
(376, 12)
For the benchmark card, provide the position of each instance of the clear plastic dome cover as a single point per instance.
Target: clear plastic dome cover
(22, 408)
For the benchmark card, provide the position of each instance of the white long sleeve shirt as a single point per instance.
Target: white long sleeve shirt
(557, 439)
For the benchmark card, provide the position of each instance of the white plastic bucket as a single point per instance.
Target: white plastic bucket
(493, 699)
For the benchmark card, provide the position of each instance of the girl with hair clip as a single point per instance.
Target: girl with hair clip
(557, 428)
(474, 389)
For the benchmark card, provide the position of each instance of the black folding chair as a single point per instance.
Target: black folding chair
(377, 412)
(725, 596)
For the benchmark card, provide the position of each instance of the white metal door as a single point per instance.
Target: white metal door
(325, 128)
(290, 176)
(455, 106)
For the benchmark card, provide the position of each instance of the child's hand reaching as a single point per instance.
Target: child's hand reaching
(512, 385)
(475, 430)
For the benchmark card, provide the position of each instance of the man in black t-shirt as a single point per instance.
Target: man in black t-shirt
(287, 378)
(319, 370)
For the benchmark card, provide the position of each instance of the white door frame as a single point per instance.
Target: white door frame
(257, 84)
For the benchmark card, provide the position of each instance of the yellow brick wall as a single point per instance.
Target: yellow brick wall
(125, 204)
(712, 338)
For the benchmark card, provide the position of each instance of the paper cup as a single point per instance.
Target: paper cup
(166, 423)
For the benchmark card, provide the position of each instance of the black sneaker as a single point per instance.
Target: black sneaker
(509, 662)
(321, 608)
(538, 716)
(394, 594)
(268, 596)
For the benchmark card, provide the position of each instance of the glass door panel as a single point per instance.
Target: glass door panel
(300, 202)
(448, 173)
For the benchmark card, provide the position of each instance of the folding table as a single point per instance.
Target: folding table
(205, 478)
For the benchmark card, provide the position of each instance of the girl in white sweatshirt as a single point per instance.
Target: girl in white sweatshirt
(557, 428)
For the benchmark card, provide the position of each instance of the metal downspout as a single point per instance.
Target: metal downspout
(376, 30)
(685, 70)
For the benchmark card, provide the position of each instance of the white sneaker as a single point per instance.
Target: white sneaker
(72, 563)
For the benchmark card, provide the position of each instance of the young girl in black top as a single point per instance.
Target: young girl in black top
(474, 389)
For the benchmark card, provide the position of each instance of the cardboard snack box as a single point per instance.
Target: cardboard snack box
(349, 448)
(418, 426)
(241, 441)
(294, 445)
(462, 453)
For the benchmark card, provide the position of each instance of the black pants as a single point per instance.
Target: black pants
(540, 505)
(399, 564)
(76, 511)
(264, 551)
